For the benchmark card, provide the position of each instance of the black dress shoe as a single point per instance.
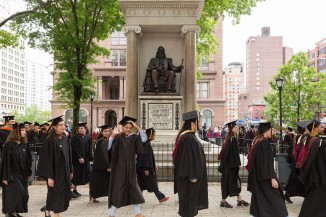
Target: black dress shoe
(287, 199)
(225, 204)
(242, 203)
(76, 193)
(73, 195)
(156, 89)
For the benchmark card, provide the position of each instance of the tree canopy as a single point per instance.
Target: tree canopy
(302, 91)
(71, 30)
(32, 114)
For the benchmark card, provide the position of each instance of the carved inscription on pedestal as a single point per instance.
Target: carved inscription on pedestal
(160, 116)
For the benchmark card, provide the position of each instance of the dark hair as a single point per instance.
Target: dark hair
(14, 136)
(261, 131)
(230, 133)
(100, 135)
(52, 134)
(186, 126)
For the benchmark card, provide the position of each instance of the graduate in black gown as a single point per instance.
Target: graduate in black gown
(15, 169)
(190, 174)
(100, 179)
(5, 130)
(81, 146)
(313, 173)
(146, 168)
(267, 198)
(294, 186)
(230, 166)
(124, 146)
(55, 165)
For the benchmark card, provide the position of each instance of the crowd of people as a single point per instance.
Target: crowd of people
(66, 162)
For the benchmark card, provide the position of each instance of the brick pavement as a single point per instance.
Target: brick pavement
(83, 208)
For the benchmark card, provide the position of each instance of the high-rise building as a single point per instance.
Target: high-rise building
(110, 85)
(265, 55)
(13, 79)
(234, 85)
(38, 85)
(317, 56)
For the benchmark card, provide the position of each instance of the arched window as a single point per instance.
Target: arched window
(207, 118)
(82, 117)
(111, 118)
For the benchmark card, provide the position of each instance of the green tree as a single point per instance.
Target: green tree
(32, 114)
(71, 30)
(302, 91)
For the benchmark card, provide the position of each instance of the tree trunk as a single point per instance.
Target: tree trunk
(77, 97)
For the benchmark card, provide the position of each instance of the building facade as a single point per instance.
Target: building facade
(234, 85)
(317, 56)
(265, 54)
(38, 84)
(13, 79)
(110, 74)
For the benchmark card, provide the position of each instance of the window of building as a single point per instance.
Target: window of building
(82, 116)
(204, 63)
(202, 90)
(114, 91)
(118, 38)
(118, 57)
(207, 118)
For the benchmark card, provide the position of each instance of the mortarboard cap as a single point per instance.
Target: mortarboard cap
(21, 125)
(264, 126)
(191, 115)
(9, 118)
(232, 124)
(125, 120)
(82, 124)
(150, 132)
(300, 125)
(104, 127)
(36, 124)
(312, 124)
(290, 129)
(55, 121)
(26, 122)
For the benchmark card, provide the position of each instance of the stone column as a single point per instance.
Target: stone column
(131, 96)
(190, 99)
(99, 88)
(121, 88)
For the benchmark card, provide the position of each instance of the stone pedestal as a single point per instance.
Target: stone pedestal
(163, 113)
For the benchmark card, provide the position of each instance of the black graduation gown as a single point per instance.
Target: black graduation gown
(124, 189)
(4, 133)
(230, 162)
(55, 163)
(15, 168)
(294, 186)
(100, 179)
(81, 147)
(190, 162)
(266, 201)
(314, 178)
(146, 161)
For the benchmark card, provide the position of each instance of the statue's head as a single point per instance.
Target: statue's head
(160, 52)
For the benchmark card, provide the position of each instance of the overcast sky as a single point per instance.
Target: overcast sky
(300, 22)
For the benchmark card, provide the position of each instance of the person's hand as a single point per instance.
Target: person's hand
(5, 182)
(109, 170)
(156, 168)
(193, 180)
(146, 173)
(116, 130)
(81, 161)
(134, 125)
(51, 182)
(274, 183)
(71, 175)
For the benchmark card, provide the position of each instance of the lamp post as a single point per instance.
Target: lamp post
(92, 95)
(279, 84)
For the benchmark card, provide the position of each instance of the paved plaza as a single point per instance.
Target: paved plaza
(151, 208)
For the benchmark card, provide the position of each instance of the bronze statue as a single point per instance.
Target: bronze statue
(162, 67)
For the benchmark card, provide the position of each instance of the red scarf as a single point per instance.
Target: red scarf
(176, 147)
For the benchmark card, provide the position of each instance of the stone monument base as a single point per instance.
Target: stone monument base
(163, 113)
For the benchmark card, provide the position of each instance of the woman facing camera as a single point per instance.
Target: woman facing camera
(55, 165)
(15, 169)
